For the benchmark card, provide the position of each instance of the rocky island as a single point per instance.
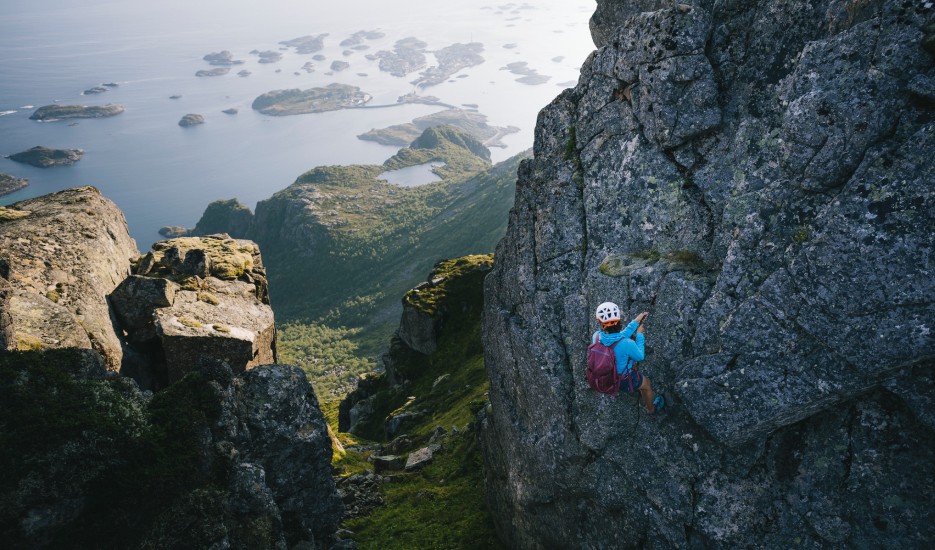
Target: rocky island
(527, 75)
(451, 59)
(223, 58)
(408, 55)
(314, 100)
(94, 90)
(306, 44)
(49, 113)
(231, 111)
(191, 119)
(220, 71)
(268, 56)
(358, 37)
(9, 184)
(338, 66)
(45, 157)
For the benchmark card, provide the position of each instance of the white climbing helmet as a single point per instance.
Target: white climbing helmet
(607, 312)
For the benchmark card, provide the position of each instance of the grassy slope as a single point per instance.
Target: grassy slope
(441, 506)
(343, 308)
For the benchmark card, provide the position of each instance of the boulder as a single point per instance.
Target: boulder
(421, 458)
(60, 256)
(388, 463)
(200, 297)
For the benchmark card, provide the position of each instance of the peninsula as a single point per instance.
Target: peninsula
(9, 184)
(50, 113)
(471, 122)
(314, 100)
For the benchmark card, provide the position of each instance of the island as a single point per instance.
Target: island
(175, 96)
(222, 58)
(319, 57)
(451, 59)
(359, 36)
(48, 113)
(306, 44)
(269, 56)
(220, 71)
(9, 184)
(231, 111)
(314, 100)
(110, 84)
(528, 75)
(338, 66)
(408, 55)
(94, 90)
(191, 119)
(46, 157)
(244, 73)
(472, 122)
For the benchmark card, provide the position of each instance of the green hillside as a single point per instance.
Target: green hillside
(441, 505)
(341, 247)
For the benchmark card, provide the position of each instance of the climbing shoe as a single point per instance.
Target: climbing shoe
(659, 406)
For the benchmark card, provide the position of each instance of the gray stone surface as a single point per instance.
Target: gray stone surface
(421, 458)
(213, 304)
(759, 177)
(60, 255)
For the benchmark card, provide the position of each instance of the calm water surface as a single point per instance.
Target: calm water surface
(162, 174)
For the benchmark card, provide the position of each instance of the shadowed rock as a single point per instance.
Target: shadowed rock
(756, 178)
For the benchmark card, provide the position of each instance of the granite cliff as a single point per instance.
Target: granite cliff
(757, 175)
(232, 450)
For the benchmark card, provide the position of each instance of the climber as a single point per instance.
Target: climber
(627, 352)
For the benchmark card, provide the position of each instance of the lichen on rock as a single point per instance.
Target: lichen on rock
(756, 176)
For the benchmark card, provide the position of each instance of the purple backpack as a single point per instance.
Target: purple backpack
(602, 368)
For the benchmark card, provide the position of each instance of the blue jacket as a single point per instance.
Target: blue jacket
(627, 351)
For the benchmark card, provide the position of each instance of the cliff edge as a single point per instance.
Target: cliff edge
(230, 451)
(759, 177)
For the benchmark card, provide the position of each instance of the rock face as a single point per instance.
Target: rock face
(759, 178)
(60, 256)
(223, 457)
(217, 460)
(195, 299)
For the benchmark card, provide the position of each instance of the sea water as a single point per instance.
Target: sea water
(161, 174)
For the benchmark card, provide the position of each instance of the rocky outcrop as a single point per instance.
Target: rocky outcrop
(216, 460)
(221, 457)
(60, 256)
(438, 305)
(193, 299)
(755, 176)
